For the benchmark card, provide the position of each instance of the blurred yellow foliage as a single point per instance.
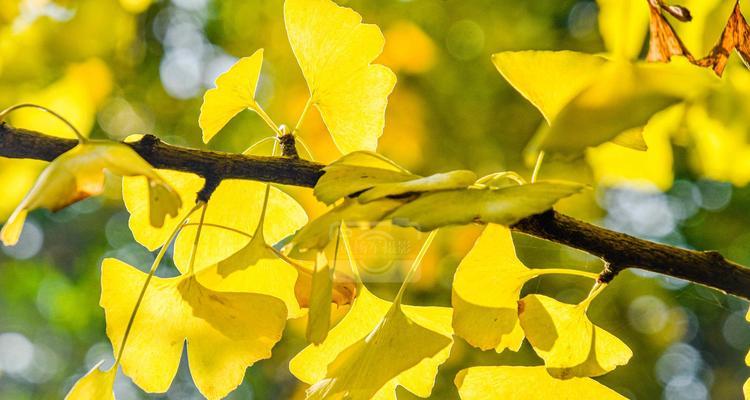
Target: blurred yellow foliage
(408, 49)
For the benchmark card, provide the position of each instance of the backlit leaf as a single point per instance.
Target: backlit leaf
(443, 181)
(225, 332)
(234, 92)
(548, 79)
(622, 24)
(96, 384)
(486, 288)
(378, 346)
(356, 172)
(79, 173)
(527, 383)
(570, 345)
(624, 97)
(319, 317)
(335, 50)
(504, 206)
(234, 206)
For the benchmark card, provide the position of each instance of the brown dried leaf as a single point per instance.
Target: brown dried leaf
(664, 42)
(736, 35)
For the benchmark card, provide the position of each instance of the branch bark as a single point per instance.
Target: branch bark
(618, 250)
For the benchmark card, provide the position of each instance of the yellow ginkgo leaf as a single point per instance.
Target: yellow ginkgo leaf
(355, 172)
(459, 179)
(570, 345)
(527, 383)
(237, 205)
(505, 206)
(335, 50)
(376, 347)
(623, 25)
(486, 289)
(233, 210)
(624, 96)
(321, 295)
(135, 194)
(615, 165)
(96, 384)
(225, 332)
(255, 268)
(548, 79)
(79, 173)
(234, 92)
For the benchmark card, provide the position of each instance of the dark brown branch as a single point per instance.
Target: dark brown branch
(618, 250)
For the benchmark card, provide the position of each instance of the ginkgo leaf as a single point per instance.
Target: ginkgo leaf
(527, 383)
(321, 292)
(504, 206)
(618, 166)
(319, 232)
(356, 172)
(664, 42)
(234, 209)
(736, 36)
(134, 195)
(376, 347)
(548, 79)
(622, 24)
(570, 345)
(96, 384)
(443, 181)
(335, 51)
(624, 96)
(234, 92)
(79, 173)
(225, 332)
(486, 288)
(632, 139)
(256, 268)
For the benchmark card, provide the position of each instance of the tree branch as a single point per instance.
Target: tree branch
(618, 250)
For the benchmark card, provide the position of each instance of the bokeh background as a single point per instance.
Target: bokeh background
(116, 68)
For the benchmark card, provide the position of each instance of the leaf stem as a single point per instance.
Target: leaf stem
(302, 116)
(267, 119)
(151, 272)
(191, 268)
(250, 149)
(79, 136)
(562, 271)
(537, 166)
(415, 265)
(595, 290)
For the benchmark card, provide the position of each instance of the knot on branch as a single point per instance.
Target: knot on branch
(288, 146)
(609, 273)
(209, 186)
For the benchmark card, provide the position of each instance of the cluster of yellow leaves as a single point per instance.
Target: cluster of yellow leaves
(79, 173)
(588, 100)
(489, 315)
(373, 188)
(335, 51)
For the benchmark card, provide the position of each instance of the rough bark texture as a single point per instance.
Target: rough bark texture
(618, 250)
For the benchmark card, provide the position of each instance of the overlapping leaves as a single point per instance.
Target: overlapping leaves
(372, 189)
